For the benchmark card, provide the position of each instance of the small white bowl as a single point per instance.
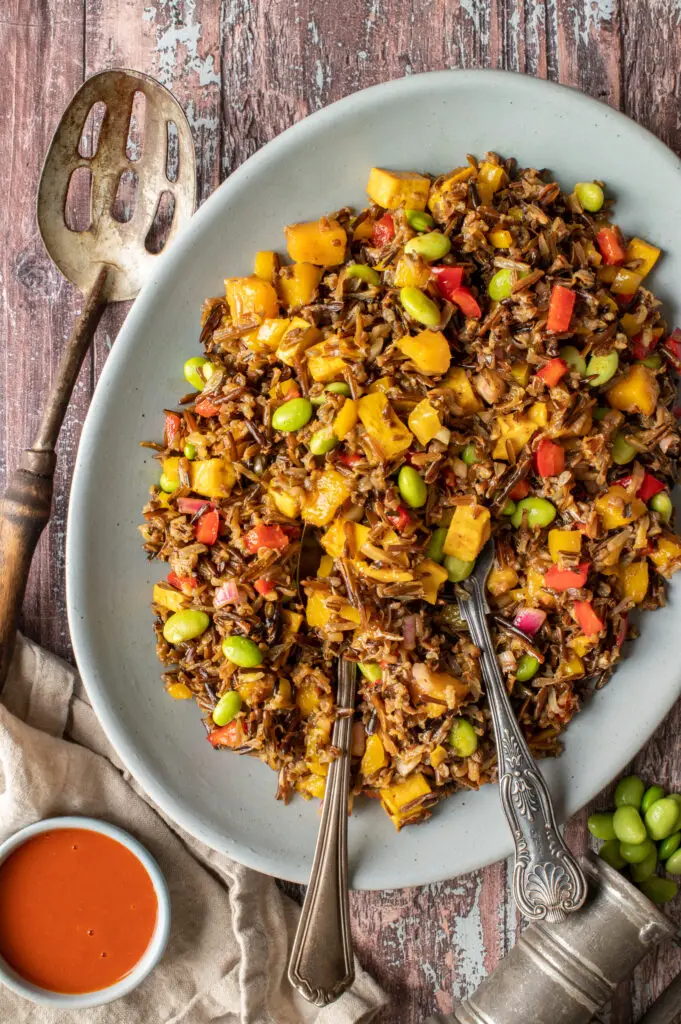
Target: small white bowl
(153, 952)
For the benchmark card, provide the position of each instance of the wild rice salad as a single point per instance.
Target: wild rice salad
(473, 353)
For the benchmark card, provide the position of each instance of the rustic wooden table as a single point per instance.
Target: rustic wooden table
(245, 71)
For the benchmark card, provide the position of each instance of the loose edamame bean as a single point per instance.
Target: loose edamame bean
(292, 415)
(457, 568)
(500, 285)
(509, 508)
(653, 362)
(662, 818)
(659, 890)
(600, 412)
(669, 846)
(323, 441)
(610, 853)
(652, 794)
(412, 487)
(622, 451)
(168, 485)
(590, 195)
(432, 246)
(673, 865)
(676, 797)
(639, 872)
(636, 853)
(528, 667)
(435, 549)
(629, 792)
(197, 371)
(339, 387)
(185, 625)
(419, 220)
(469, 455)
(600, 825)
(628, 825)
(364, 273)
(227, 708)
(241, 651)
(370, 670)
(574, 358)
(419, 306)
(463, 738)
(190, 451)
(601, 369)
(539, 512)
(662, 504)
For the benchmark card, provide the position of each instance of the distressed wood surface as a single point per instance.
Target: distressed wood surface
(245, 70)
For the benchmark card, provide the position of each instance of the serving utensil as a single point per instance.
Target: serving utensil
(321, 966)
(108, 262)
(548, 883)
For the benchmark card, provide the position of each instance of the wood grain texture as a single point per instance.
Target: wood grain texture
(245, 70)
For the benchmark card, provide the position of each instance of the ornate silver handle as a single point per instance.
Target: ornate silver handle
(547, 881)
(322, 963)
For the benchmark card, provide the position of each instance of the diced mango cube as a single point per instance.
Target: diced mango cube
(440, 192)
(383, 384)
(468, 532)
(638, 249)
(634, 580)
(374, 757)
(428, 350)
(637, 391)
(410, 273)
(292, 621)
(391, 189)
(613, 505)
(567, 541)
(434, 576)
(515, 430)
(490, 179)
(325, 566)
(667, 555)
(401, 795)
(171, 468)
(318, 615)
(267, 336)
(424, 422)
(457, 379)
(363, 231)
(324, 367)
(266, 265)
(296, 339)
(287, 503)
(212, 478)
(437, 755)
(382, 575)
(168, 597)
(572, 667)
(539, 413)
(312, 786)
(521, 373)
(581, 645)
(321, 242)
(333, 541)
(346, 418)
(251, 295)
(298, 284)
(328, 493)
(179, 691)
(501, 580)
(501, 239)
(382, 424)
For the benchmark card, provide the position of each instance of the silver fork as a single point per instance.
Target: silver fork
(547, 880)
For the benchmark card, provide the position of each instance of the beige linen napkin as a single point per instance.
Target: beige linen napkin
(231, 927)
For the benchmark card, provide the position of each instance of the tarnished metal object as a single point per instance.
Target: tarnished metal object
(547, 881)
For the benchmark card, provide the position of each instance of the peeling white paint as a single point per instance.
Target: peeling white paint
(592, 16)
(183, 30)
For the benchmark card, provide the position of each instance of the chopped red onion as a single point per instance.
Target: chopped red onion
(529, 620)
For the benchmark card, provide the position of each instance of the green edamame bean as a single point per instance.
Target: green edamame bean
(610, 853)
(412, 487)
(457, 568)
(639, 872)
(653, 362)
(338, 387)
(364, 273)
(669, 846)
(227, 708)
(636, 853)
(500, 285)
(659, 890)
(590, 195)
(629, 792)
(574, 358)
(628, 825)
(601, 369)
(622, 451)
(190, 451)
(528, 667)
(539, 512)
(463, 738)
(323, 441)
(435, 549)
(600, 825)
(419, 306)
(652, 794)
(370, 670)
(662, 504)
(197, 371)
(292, 415)
(662, 818)
(168, 485)
(673, 865)
(676, 797)
(185, 625)
(241, 651)
(432, 246)
(509, 508)
(600, 412)
(419, 220)
(469, 455)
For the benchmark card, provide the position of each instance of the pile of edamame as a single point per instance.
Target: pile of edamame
(641, 834)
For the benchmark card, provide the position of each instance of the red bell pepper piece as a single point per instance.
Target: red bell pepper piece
(208, 527)
(172, 427)
(648, 489)
(264, 586)
(623, 301)
(466, 301)
(587, 618)
(190, 506)
(553, 371)
(561, 305)
(640, 350)
(672, 348)
(384, 230)
(204, 407)
(399, 519)
(261, 536)
(350, 459)
(611, 247)
(565, 579)
(519, 490)
(448, 279)
(177, 581)
(549, 458)
(227, 735)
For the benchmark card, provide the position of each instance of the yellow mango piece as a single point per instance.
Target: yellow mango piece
(539, 413)
(581, 645)
(329, 491)
(638, 249)
(468, 532)
(283, 388)
(212, 478)
(346, 418)
(317, 614)
(380, 421)
(501, 580)
(490, 179)
(634, 580)
(287, 503)
(323, 367)
(292, 622)
(363, 231)
(667, 555)
(317, 767)
(501, 239)
(266, 265)
(411, 273)
(457, 379)
(382, 575)
(267, 336)
(383, 384)
(333, 540)
(516, 429)
(374, 757)
(437, 755)
(521, 373)
(293, 343)
(433, 578)
(534, 586)
(439, 193)
(171, 468)
(611, 508)
(168, 597)
(593, 257)
(568, 541)
(298, 284)
(424, 422)
(625, 282)
(428, 350)
(312, 786)
(572, 667)
(403, 793)
(391, 189)
(325, 566)
(636, 391)
(179, 691)
(321, 242)
(250, 295)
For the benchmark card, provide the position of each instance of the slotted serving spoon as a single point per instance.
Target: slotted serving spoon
(108, 262)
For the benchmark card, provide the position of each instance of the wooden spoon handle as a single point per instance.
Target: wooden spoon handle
(26, 504)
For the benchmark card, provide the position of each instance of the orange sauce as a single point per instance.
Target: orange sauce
(77, 910)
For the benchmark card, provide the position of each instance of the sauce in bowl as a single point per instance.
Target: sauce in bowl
(77, 910)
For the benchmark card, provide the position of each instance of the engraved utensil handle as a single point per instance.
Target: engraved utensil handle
(547, 881)
(322, 963)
